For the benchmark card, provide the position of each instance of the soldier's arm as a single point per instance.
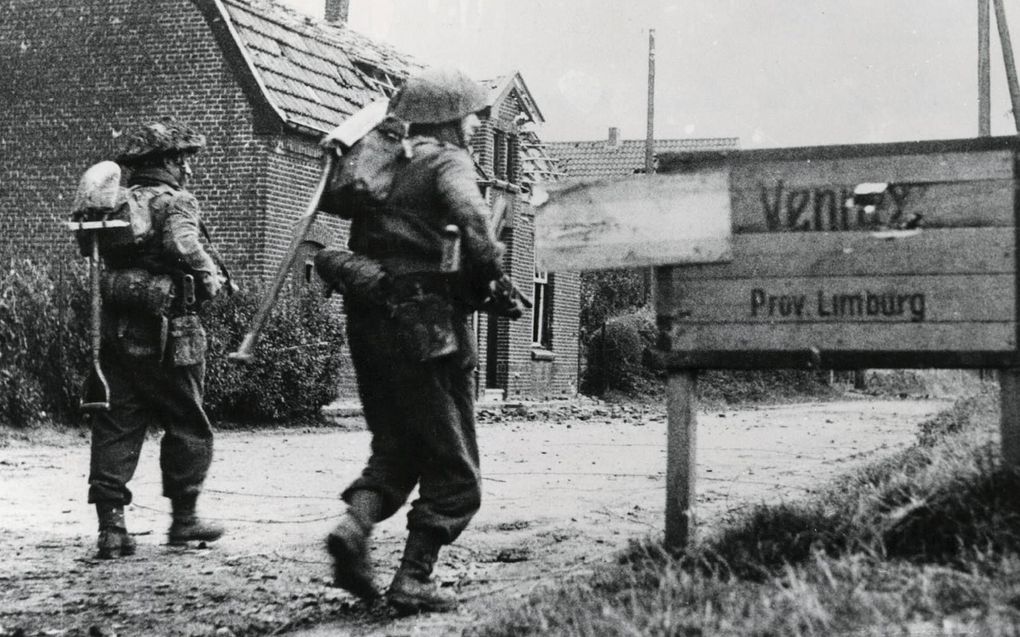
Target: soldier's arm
(182, 238)
(458, 190)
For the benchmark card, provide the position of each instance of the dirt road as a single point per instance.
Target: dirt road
(563, 490)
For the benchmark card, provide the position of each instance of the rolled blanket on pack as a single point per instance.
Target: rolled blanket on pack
(137, 290)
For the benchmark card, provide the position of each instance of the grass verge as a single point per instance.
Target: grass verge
(922, 543)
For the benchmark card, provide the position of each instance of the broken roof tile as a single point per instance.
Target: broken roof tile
(307, 66)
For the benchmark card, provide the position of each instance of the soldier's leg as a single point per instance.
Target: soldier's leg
(450, 484)
(389, 475)
(387, 387)
(449, 488)
(117, 438)
(186, 450)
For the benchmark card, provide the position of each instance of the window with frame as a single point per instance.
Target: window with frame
(499, 154)
(506, 157)
(513, 159)
(540, 318)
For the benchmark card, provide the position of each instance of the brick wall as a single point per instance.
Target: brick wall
(524, 371)
(294, 171)
(78, 74)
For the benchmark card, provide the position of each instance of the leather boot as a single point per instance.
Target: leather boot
(348, 544)
(352, 570)
(186, 526)
(114, 540)
(413, 590)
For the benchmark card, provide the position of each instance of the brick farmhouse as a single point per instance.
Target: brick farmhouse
(264, 84)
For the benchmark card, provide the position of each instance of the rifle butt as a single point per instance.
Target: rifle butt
(245, 353)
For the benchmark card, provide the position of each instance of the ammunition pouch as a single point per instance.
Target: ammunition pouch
(188, 341)
(423, 310)
(135, 290)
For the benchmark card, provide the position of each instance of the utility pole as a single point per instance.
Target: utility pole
(984, 76)
(650, 129)
(650, 139)
(1007, 57)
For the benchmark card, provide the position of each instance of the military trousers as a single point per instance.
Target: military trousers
(147, 394)
(421, 417)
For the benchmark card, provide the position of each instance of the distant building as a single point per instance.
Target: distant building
(615, 157)
(263, 83)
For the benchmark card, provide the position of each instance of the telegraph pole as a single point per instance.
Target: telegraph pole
(984, 76)
(650, 128)
(650, 139)
(1007, 57)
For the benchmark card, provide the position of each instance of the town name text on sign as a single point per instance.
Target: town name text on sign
(918, 271)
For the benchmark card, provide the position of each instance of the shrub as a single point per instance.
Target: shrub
(606, 294)
(616, 361)
(297, 362)
(45, 350)
(615, 355)
(43, 340)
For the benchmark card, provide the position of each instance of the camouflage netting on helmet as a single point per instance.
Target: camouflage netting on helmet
(438, 95)
(162, 138)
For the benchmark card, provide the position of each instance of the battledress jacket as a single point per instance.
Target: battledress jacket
(436, 188)
(179, 245)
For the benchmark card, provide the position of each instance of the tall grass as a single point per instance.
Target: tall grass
(923, 543)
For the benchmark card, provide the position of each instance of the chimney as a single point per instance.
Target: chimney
(337, 10)
(614, 137)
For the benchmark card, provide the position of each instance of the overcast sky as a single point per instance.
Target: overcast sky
(770, 72)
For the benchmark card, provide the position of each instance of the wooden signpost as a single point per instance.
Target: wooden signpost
(842, 257)
(635, 222)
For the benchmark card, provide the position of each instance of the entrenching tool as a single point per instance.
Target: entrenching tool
(94, 201)
(339, 140)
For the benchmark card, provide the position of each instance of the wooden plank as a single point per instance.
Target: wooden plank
(789, 254)
(681, 453)
(903, 167)
(635, 222)
(949, 189)
(861, 337)
(833, 359)
(1009, 403)
(106, 224)
(771, 205)
(945, 298)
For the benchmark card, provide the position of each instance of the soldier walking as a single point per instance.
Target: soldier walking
(412, 345)
(153, 345)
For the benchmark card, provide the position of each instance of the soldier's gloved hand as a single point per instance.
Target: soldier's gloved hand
(212, 284)
(504, 299)
(329, 266)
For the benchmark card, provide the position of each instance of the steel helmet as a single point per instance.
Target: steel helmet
(165, 137)
(437, 95)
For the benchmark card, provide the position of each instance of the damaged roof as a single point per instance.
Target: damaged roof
(605, 159)
(500, 87)
(314, 73)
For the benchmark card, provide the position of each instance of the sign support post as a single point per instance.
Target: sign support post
(1009, 425)
(681, 428)
(681, 454)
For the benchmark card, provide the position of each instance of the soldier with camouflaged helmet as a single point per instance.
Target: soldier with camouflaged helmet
(153, 344)
(414, 351)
